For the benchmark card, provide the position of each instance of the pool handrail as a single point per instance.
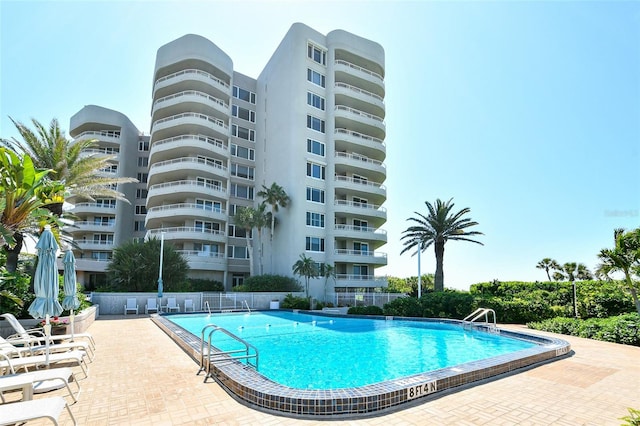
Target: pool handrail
(206, 361)
(479, 313)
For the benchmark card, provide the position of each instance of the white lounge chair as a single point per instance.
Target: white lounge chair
(39, 381)
(38, 332)
(33, 347)
(172, 305)
(152, 305)
(131, 306)
(188, 304)
(11, 360)
(47, 408)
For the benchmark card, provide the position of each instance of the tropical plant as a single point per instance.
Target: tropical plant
(327, 272)
(276, 197)
(548, 264)
(437, 227)
(22, 204)
(306, 267)
(68, 160)
(623, 258)
(135, 266)
(249, 218)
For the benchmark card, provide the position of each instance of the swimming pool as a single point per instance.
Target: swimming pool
(369, 364)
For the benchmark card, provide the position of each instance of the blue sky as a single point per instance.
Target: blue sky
(528, 113)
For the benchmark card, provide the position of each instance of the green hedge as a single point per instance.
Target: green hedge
(619, 329)
(292, 302)
(365, 310)
(267, 282)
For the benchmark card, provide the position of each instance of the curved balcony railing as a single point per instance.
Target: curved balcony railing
(189, 160)
(101, 151)
(364, 229)
(360, 182)
(181, 206)
(341, 131)
(185, 229)
(194, 72)
(95, 134)
(352, 277)
(191, 93)
(360, 205)
(202, 138)
(359, 113)
(103, 206)
(205, 117)
(360, 158)
(177, 183)
(363, 253)
(358, 68)
(359, 90)
(201, 254)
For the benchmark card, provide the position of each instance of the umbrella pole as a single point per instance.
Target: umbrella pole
(71, 319)
(47, 335)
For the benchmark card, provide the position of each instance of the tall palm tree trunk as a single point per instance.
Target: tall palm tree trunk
(14, 252)
(439, 276)
(249, 253)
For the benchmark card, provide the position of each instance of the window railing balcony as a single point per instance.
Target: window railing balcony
(359, 113)
(185, 229)
(357, 135)
(201, 254)
(97, 134)
(358, 181)
(359, 90)
(190, 71)
(97, 205)
(182, 183)
(360, 205)
(190, 160)
(357, 157)
(100, 151)
(358, 68)
(182, 206)
(353, 277)
(217, 143)
(195, 115)
(363, 253)
(191, 93)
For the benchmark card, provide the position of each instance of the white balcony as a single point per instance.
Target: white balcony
(97, 245)
(87, 208)
(189, 122)
(362, 77)
(360, 256)
(179, 167)
(356, 97)
(91, 265)
(349, 140)
(187, 77)
(366, 233)
(182, 211)
(359, 121)
(191, 100)
(189, 233)
(348, 280)
(112, 153)
(362, 210)
(374, 191)
(182, 189)
(103, 136)
(359, 164)
(184, 145)
(90, 226)
(207, 261)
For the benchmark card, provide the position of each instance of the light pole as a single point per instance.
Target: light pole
(160, 285)
(419, 276)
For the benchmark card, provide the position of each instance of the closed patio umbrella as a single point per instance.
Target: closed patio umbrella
(45, 284)
(70, 300)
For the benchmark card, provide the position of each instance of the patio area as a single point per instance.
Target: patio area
(140, 377)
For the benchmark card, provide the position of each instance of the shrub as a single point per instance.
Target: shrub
(403, 307)
(623, 329)
(267, 282)
(292, 302)
(199, 284)
(365, 310)
(447, 304)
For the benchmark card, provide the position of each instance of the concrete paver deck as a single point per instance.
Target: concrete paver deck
(140, 377)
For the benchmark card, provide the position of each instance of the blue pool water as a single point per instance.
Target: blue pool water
(318, 352)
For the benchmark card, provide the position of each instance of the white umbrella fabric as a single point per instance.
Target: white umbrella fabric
(45, 284)
(70, 300)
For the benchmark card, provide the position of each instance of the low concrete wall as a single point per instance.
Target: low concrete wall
(81, 322)
(113, 303)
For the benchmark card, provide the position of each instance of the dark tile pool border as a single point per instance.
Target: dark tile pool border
(255, 390)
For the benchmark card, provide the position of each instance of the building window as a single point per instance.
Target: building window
(209, 205)
(315, 170)
(244, 95)
(237, 252)
(316, 54)
(141, 209)
(141, 193)
(112, 168)
(363, 248)
(243, 132)
(143, 177)
(104, 220)
(106, 202)
(103, 238)
(232, 209)
(209, 183)
(316, 195)
(238, 232)
(244, 172)
(237, 280)
(201, 226)
(315, 244)
(242, 152)
(138, 226)
(315, 77)
(143, 161)
(243, 113)
(315, 123)
(143, 145)
(242, 191)
(315, 101)
(101, 256)
(315, 219)
(361, 270)
(205, 249)
(315, 147)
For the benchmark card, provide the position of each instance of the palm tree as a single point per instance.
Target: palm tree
(261, 219)
(438, 227)
(22, 203)
(625, 258)
(244, 219)
(305, 267)
(572, 271)
(327, 272)
(276, 197)
(50, 149)
(548, 264)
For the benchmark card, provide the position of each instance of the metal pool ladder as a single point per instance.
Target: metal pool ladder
(482, 312)
(247, 305)
(213, 356)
